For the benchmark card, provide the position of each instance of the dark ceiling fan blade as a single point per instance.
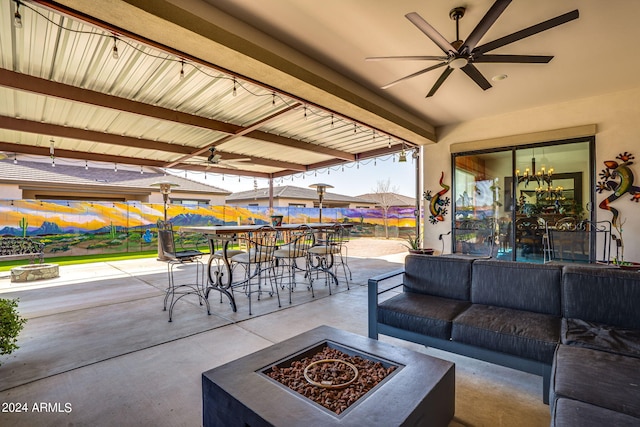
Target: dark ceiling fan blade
(414, 75)
(527, 32)
(439, 82)
(431, 32)
(406, 58)
(516, 59)
(476, 76)
(483, 26)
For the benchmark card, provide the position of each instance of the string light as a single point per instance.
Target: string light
(15, 158)
(115, 167)
(86, 165)
(115, 53)
(52, 153)
(17, 18)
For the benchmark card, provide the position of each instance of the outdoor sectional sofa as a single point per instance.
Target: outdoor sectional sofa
(576, 326)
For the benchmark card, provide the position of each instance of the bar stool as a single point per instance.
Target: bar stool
(298, 242)
(326, 256)
(257, 262)
(173, 257)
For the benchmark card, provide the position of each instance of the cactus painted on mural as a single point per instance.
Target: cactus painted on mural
(24, 224)
(113, 231)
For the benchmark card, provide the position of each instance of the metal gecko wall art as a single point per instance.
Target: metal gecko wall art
(618, 178)
(437, 203)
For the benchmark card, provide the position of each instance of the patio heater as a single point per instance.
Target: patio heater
(165, 189)
(322, 190)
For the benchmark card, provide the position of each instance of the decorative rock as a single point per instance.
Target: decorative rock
(31, 272)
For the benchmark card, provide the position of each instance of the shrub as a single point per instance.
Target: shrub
(11, 323)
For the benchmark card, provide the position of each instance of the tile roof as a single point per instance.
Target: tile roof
(63, 175)
(293, 192)
(394, 199)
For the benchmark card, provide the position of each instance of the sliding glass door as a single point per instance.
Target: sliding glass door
(480, 219)
(506, 200)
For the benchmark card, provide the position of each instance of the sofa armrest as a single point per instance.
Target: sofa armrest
(373, 299)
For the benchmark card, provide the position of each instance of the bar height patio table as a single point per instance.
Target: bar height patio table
(221, 278)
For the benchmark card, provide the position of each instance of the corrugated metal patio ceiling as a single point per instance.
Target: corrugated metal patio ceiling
(59, 81)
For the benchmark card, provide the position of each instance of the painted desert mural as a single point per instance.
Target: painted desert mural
(71, 228)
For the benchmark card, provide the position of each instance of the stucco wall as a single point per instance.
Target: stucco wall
(617, 117)
(10, 191)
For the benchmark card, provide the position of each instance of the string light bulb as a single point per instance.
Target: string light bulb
(52, 153)
(141, 171)
(17, 18)
(114, 51)
(181, 69)
(86, 165)
(15, 158)
(235, 92)
(115, 167)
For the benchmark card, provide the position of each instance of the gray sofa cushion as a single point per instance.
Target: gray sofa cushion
(423, 314)
(601, 337)
(602, 295)
(439, 276)
(517, 285)
(516, 332)
(573, 413)
(599, 378)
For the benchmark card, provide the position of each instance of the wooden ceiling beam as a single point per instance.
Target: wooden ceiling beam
(40, 86)
(27, 83)
(9, 147)
(58, 131)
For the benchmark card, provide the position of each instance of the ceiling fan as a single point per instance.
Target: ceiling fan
(463, 54)
(216, 159)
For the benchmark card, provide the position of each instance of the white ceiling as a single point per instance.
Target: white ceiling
(592, 55)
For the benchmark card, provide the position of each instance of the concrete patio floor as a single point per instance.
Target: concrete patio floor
(98, 350)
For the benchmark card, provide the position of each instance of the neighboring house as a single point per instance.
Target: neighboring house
(41, 181)
(291, 196)
(390, 199)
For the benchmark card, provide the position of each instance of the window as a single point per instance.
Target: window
(190, 202)
(504, 200)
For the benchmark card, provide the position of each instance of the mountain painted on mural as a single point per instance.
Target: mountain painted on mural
(46, 228)
(51, 228)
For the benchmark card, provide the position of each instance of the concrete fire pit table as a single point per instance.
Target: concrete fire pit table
(421, 390)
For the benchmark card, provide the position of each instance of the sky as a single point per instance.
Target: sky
(352, 180)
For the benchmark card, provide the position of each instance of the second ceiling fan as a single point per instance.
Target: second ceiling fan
(463, 54)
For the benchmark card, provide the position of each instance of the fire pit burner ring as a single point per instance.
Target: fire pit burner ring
(326, 383)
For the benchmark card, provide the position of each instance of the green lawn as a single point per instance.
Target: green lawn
(70, 260)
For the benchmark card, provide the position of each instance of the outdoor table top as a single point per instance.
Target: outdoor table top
(235, 229)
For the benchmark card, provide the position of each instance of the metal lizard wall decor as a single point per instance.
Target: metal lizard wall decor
(618, 178)
(437, 203)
